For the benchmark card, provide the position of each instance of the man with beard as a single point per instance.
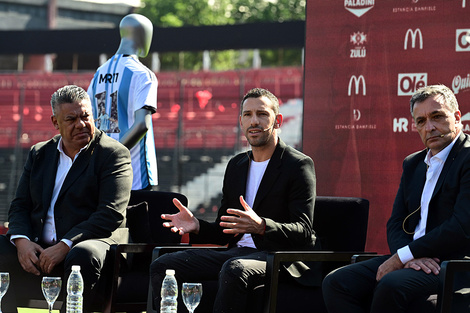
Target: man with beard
(267, 205)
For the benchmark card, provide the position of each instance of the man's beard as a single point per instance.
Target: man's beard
(258, 142)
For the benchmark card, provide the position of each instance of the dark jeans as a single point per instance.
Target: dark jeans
(89, 254)
(237, 270)
(354, 289)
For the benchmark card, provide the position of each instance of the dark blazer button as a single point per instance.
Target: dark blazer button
(36, 239)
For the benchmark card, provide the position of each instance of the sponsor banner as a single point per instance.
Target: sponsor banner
(414, 36)
(359, 7)
(408, 83)
(462, 40)
(363, 61)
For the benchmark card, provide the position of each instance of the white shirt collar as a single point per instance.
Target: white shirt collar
(443, 154)
(61, 148)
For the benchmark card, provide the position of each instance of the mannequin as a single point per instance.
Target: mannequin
(123, 86)
(136, 36)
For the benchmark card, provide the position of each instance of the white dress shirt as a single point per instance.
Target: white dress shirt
(435, 165)
(49, 235)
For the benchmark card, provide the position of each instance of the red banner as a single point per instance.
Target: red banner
(363, 61)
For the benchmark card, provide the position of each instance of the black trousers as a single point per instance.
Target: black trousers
(237, 271)
(89, 254)
(354, 289)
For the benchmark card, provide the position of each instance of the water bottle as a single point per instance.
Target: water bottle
(169, 293)
(75, 291)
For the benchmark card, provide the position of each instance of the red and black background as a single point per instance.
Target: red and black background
(363, 60)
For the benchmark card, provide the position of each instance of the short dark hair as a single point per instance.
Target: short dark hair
(430, 91)
(67, 94)
(258, 93)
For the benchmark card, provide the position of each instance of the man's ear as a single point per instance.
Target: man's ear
(54, 122)
(458, 116)
(279, 120)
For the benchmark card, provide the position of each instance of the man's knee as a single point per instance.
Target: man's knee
(389, 287)
(157, 271)
(78, 256)
(89, 255)
(332, 282)
(232, 271)
(348, 280)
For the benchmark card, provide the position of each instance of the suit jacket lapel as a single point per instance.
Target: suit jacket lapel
(243, 167)
(415, 200)
(51, 159)
(447, 165)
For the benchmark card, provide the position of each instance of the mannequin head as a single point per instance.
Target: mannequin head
(136, 35)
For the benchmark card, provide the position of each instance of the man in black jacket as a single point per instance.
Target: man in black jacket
(267, 204)
(70, 203)
(430, 221)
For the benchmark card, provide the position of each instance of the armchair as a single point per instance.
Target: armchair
(129, 263)
(341, 225)
(454, 296)
(124, 284)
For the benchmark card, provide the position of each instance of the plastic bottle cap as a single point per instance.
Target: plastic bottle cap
(170, 272)
(75, 267)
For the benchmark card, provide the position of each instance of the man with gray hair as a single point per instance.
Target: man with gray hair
(430, 220)
(70, 203)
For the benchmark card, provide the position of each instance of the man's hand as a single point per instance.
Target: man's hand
(28, 253)
(182, 222)
(244, 222)
(428, 265)
(52, 256)
(392, 264)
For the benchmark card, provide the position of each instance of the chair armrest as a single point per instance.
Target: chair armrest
(446, 282)
(160, 250)
(274, 260)
(363, 257)
(140, 247)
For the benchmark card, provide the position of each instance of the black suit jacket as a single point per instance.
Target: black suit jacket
(92, 201)
(285, 199)
(448, 224)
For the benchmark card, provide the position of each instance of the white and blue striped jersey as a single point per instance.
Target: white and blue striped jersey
(120, 87)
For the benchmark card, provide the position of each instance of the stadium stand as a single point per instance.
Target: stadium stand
(195, 126)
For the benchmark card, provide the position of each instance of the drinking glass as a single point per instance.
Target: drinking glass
(191, 293)
(4, 283)
(51, 289)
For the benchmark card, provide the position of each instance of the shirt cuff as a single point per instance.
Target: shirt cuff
(68, 242)
(405, 254)
(13, 237)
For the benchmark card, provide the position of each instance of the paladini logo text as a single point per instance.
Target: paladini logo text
(358, 7)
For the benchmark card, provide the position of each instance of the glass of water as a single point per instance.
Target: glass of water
(51, 288)
(4, 284)
(191, 293)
